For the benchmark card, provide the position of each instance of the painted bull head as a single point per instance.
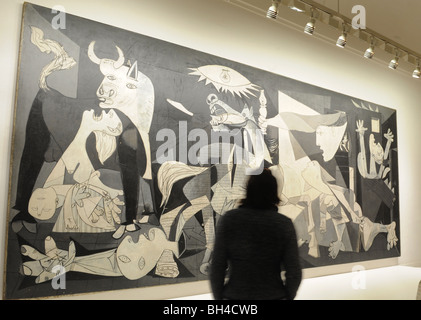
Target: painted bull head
(125, 88)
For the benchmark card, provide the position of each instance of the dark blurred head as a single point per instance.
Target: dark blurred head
(262, 191)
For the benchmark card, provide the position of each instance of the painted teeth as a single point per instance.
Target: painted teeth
(97, 118)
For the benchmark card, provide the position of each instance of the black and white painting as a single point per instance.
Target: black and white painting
(128, 149)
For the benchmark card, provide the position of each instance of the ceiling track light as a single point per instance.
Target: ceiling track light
(335, 20)
(417, 72)
(341, 43)
(369, 53)
(273, 9)
(311, 25)
(394, 63)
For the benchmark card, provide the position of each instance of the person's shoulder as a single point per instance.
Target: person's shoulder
(284, 218)
(229, 218)
(233, 212)
(285, 223)
(238, 214)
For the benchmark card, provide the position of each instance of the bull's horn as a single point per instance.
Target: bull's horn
(92, 55)
(120, 60)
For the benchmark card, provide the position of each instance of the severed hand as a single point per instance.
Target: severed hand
(112, 211)
(389, 135)
(360, 127)
(44, 265)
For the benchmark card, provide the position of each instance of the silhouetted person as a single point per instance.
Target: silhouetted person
(253, 244)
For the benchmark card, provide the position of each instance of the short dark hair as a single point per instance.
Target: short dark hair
(261, 191)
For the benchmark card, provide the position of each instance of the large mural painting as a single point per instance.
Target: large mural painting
(127, 150)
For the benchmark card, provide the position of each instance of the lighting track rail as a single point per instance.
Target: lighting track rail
(322, 14)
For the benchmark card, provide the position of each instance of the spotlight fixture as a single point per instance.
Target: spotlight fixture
(273, 9)
(310, 26)
(341, 43)
(417, 72)
(394, 62)
(369, 53)
(322, 14)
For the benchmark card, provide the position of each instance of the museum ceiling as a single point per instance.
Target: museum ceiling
(396, 19)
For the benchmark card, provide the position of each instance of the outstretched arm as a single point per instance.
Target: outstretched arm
(389, 136)
(361, 159)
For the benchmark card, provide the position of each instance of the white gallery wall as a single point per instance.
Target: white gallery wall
(219, 28)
